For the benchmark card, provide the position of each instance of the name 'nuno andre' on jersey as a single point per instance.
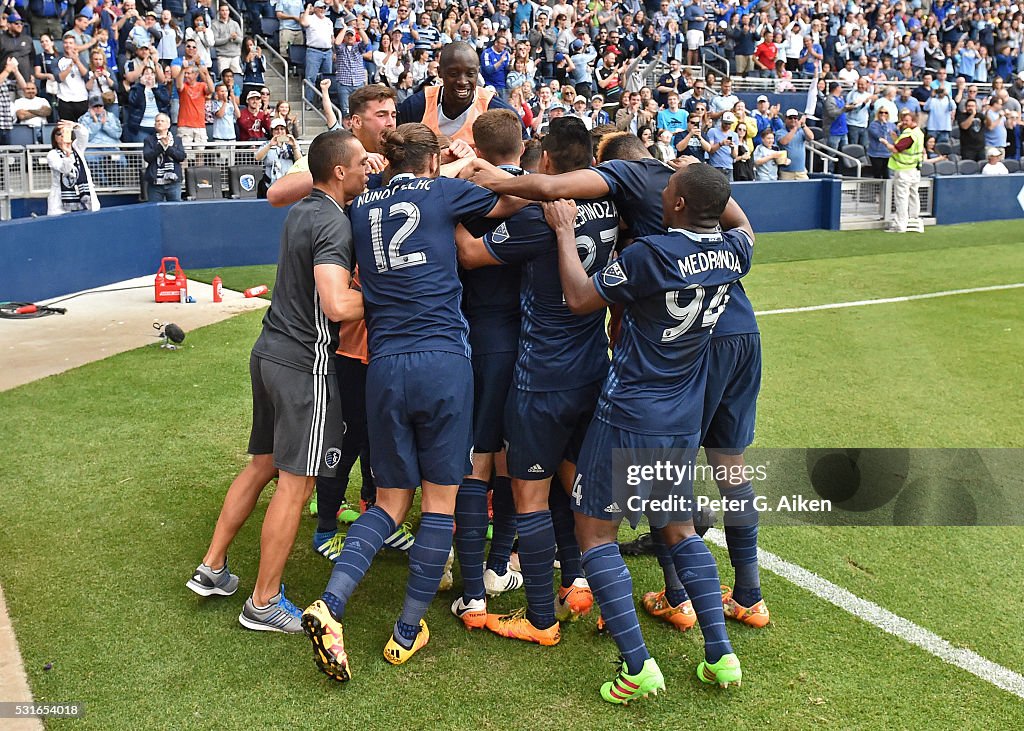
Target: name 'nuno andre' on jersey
(675, 287)
(405, 248)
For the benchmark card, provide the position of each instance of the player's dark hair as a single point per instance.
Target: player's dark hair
(706, 191)
(530, 159)
(329, 150)
(568, 144)
(599, 133)
(497, 134)
(621, 146)
(362, 97)
(409, 147)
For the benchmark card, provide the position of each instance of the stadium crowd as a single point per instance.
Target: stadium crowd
(114, 66)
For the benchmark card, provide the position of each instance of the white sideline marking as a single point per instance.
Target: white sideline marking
(885, 620)
(889, 300)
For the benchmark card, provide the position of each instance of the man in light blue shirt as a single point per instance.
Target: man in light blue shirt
(673, 118)
(858, 102)
(723, 145)
(940, 110)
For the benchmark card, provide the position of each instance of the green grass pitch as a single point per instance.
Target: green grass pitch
(114, 474)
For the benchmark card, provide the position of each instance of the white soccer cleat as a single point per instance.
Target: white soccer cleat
(447, 580)
(495, 584)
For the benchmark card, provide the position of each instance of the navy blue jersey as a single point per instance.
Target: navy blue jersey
(636, 186)
(405, 248)
(557, 349)
(675, 287)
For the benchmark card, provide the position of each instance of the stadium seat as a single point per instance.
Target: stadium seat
(943, 148)
(243, 180)
(203, 183)
(46, 132)
(269, 27)
(953, 157)
(856, 151)
(297, 57)
(945, 168)
(22, 134)
(968, 167)
(1012, 165)
(927, 170)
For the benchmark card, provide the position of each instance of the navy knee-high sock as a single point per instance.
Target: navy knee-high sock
(564, 524)
(674, 591)
(699, 573)
(427, 558)
(613, 588)
(365, 538)
(504, 522)
(537, 558)
(471, 535)
(330, 494)
(741, 538)
(368, 490)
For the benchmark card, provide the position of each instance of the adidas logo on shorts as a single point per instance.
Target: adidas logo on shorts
(536, 468)
(613, 508)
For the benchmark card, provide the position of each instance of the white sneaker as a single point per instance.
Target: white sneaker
(513, 563)
(496, 584)
(472, 613)
(447, 580)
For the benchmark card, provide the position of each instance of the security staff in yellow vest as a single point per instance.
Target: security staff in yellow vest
(907, 152)
(451, 109)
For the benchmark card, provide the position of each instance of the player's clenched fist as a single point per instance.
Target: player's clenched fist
(560, 214)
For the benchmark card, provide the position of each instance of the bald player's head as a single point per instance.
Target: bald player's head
(458, 66)
(695, 197)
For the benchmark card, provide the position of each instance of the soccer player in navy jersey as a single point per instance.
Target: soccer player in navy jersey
(562, 360)
(674, 288)
(635, 181)
(419, 383)
(490, 302)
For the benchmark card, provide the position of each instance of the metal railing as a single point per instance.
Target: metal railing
(834, 155)
(870, 203)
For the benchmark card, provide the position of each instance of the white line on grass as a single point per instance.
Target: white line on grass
(885, 620)
(889, 300)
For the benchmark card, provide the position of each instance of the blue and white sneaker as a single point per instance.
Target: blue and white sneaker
(207, 582)
(329, 544)
(278, 616)
(402, 539)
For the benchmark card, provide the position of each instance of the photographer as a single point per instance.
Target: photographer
(163, 153)
(146, 100)
(71, 190)
(278, 155)
(692, 142)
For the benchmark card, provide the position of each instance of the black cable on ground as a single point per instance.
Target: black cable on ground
(9, 310)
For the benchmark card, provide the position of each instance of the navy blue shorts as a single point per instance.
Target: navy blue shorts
(419, 416)
(730, 399)
(544, 428)
(492, 379)
(608, 485)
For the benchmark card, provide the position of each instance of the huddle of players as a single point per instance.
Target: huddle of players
(685, 369)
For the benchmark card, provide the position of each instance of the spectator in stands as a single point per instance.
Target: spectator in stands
(204, 39)
(724, 102)
(691, 142)
(794, 141)
(596, 113)
(672, 118)
(767, 117)
(101, 83)
(163, 153)
(723, 145)
(631, 117)
(1014, 136)
(608, 77)
(646, 135)
(31, 109)
(104, 130)
(195, 86)
(907, 101)
(517, 99)
(253, 66)
(941, 110)
(253, 123)
(290, 31)
(170, 37)
(16, 43)
(743, 163)
(46, 17)
(71, 189)
(144, 33)
(404, 89)
(495, 63)
(146, 100)
(10, 82)
(277, 155)
(319, 40)
(349, 73)
(227, 39)
(858, 105)
(994, 166)
(972, 133)
(766, 158)
(234, 86)
(834, 120)
(388, 60)
(881, 128)
(46, 71)
(673, 81)
(696, 23)
(930, 153)
(79, 31)
(995, 123)
(744, 44)
(225, 115)
(72, 96)
(283, 110)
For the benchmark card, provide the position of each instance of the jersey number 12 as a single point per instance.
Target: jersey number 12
(391, 258)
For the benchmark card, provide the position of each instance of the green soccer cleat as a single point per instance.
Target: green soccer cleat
(347, 514)
(725, 672)
(626, 688)
(312, 505)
